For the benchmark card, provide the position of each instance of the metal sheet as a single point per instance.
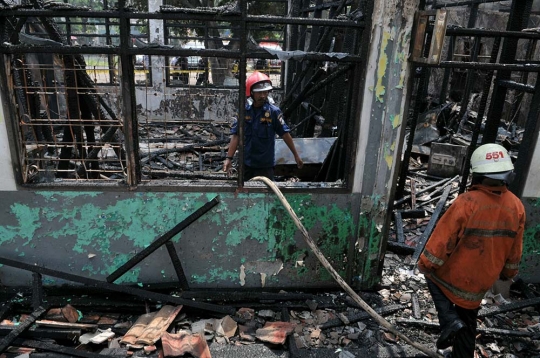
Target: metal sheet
(311, 150)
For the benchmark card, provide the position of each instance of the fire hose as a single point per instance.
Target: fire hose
(322, 259)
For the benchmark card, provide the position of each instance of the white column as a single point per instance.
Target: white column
(7, 179)
(156, 36)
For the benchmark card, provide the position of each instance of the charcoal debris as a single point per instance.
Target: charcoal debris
(507, 327)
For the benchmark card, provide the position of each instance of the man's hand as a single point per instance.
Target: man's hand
(227, 166)
(299, 162)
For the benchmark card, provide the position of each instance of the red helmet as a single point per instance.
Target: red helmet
(257, 82)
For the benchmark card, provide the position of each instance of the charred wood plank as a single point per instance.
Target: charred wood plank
(369, 297)
(163, 239)
(399, 248)
(487, 331)
(191, 176)
(37, 290)
(413, 214)
(68, 334)
(177, 264)
(49, 355)
(514, 306)
(56, 324)
(119, 288)
(399, 227)
(439, 196)
(413, 193)
(12, 336)
(52, 347)
(435, 185)
(246, 296)
(383, 311)
(165, 162)
(431, 225)
(6, 307)
(187, 148)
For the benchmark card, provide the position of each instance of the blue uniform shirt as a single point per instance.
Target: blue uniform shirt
(260, 129)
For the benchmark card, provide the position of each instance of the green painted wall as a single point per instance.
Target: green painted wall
(530, 261)
(93, 233)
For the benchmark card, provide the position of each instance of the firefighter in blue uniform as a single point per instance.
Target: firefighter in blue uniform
(262, 122)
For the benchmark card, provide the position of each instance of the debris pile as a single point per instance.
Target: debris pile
(194, 149)
(93, 325)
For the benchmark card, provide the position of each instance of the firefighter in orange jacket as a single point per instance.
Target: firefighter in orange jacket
(477, 241)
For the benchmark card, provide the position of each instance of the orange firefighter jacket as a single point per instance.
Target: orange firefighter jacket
(479, 238)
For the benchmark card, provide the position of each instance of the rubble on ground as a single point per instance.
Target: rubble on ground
(508, 323)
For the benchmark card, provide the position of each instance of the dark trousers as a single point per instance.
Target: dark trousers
(447, 311)
(250, 172)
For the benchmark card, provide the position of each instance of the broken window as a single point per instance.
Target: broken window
(104, 93)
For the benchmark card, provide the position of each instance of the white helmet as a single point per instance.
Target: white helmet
(492, 161)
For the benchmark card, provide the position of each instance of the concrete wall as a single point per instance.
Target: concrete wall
(93, 233)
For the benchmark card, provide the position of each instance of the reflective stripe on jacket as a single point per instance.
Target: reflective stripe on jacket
(479, 238)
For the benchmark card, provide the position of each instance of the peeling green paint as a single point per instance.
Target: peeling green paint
(99, 232)
(336, 229)
(395, 119)
(531, 243)
(370, 223)
(380, 89)
(53, 196)
(27, 222)
(215, 275)
(389, 154)
(402, 56)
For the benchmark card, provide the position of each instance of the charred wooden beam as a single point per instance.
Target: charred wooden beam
(302, 95)
(400, 238)
(6, 307)
(487, 331)
(431, 225)
(37, 290)
(413, 193)
(400, 248)
(413, 214)
(118, 288)
(68, 334)
(162, 239)
(71, 352)
(383, 311)
(246, 296)
(435, 185)
(514, 306)
(187, 148)
(516, 86)
(454, 190)
(177, 264)
(12, 336)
